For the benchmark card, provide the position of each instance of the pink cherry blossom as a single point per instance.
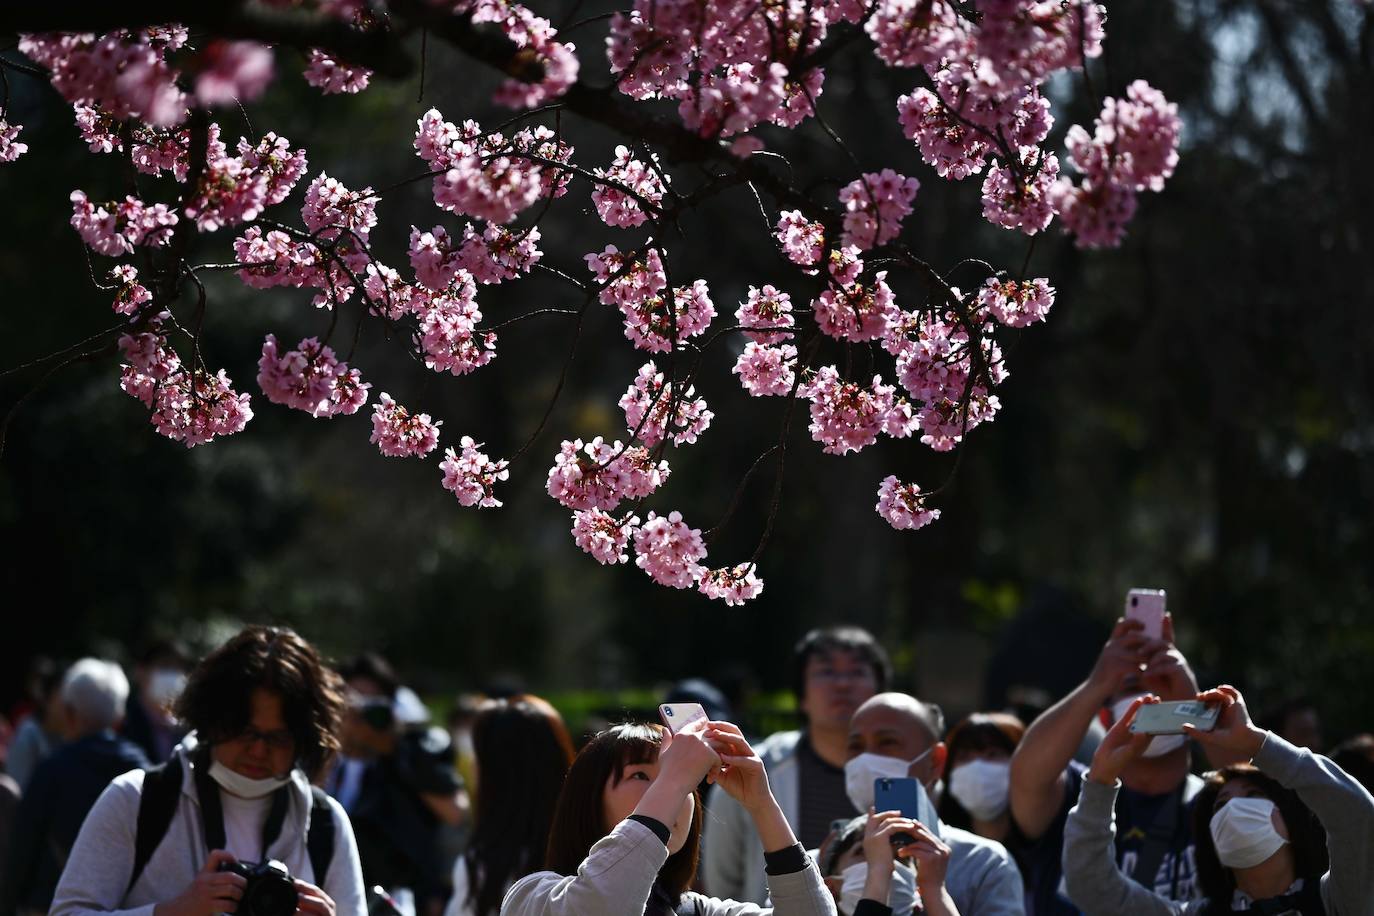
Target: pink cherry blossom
(233, 71)
(1096, 215)
(598, 474)
(603, 536)
(802, 241)
(669, 551)
(914, 33)
(654, 408)
(857, 312)
(875, 206)
(902, 505)
(10, 147)
(332, 77)
(398, 434)
(763, 309)
(954, 149)
(732, 584)
(1021, 203)
(472, 476)
(846, 417)
(122, 72)
(129, 293)
(330, 209)
(618, 208)
(766, 369)
(1017, 304)
(114, 228)
(310, 378)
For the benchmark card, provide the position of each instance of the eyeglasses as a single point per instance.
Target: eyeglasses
(278, 740)
(828, 675)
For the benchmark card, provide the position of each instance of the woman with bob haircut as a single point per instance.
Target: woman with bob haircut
(522, 752)
(627, 830)
(263, 712)
(978, 775)
(1259, 828)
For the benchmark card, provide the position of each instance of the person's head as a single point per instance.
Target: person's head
(1243, 818)
(833, 671)
(1297, 721)
(522, 751)
(844, 869)
(978, 767)
(264, 702)
(93, 694)
(44, 688)
(1356, 757)
(893, 735)
(161, 674)
(370, 725)
(604, 784)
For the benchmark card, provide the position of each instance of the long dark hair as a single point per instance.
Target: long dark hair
(1306, 836)
(217, 701)
(978, 731)
(578, 823)
(523, 752)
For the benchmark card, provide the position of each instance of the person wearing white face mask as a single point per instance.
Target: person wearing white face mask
(1155, 842)
(895, 735)
(264, 712)
(977, 796)
(159, 678)
(1260, 845)
(868, 876)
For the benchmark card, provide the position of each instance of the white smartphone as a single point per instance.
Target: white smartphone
(1147, 606)
(1168, 718)
(683, 717)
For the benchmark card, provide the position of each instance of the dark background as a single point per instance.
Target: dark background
(1196, 414)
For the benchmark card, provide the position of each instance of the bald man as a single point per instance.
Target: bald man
(982, 879)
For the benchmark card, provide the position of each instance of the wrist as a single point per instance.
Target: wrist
(1254, 740)
(1102, 775)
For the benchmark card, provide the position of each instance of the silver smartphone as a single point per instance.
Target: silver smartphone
(1168, 718)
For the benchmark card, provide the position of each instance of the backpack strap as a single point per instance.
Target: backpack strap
(319, 838)
(157, 805)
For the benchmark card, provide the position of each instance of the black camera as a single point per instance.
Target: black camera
(270, 890)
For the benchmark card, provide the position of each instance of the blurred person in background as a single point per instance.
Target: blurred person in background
(1259, 827)
(39, 724)
(977, 794)
(264, 712)
(522, 752)
(834, 670)
(159, 677)
(894, 735)
(1154, 840)
(624, 835)
(1356, 756)
(1297, 721)
(395, 778)
(65, 786)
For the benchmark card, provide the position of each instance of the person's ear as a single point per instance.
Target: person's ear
(939, 756)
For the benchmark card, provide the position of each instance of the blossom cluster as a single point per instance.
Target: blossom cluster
(655, 409)
(471, 475)
(398, 433)
(310, 378)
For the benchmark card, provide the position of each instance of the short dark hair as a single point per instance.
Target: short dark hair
(844, 836)
(824, 640)
(217, 701)
(978, 731)
(165, 652)
(577, 823)
(523, 751)
(1356, 756)
(1305, 833)
(375, 668)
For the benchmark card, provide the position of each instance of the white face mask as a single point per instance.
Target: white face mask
(1243, 832)
(901, 895)
(860, 773)
(240, 785)
(164, 686)
(1160, 744)
(982, 787)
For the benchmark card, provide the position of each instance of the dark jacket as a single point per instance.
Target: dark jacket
(61, 793)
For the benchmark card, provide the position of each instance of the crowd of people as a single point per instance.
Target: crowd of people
(261, 780)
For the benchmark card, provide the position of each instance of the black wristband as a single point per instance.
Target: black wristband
(786, 861)
(659, 828)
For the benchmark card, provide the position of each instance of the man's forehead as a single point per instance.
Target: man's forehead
(836, 655)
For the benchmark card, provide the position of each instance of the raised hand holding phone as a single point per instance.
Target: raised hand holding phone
(683, 718)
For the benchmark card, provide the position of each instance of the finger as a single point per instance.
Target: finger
(1126, 625)
(227, 878)
(1201, 737)
(216, 858)
(1167, 628)
(730, 727)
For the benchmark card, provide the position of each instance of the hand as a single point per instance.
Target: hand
(313, 900)
(1166, 670)
(1120, 658)
(1120, 748)
(1234, 732)
(684, 760)
(742, 775)
(878, 833)
(931, 857)
(211, 891)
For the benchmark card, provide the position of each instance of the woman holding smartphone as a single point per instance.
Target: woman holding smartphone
(1260, 848)
(627, 830)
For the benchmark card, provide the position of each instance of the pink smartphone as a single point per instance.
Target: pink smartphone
(683, 717)
(1147, 606)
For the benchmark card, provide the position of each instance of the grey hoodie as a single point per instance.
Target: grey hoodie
(1344, 807)
(102, 859)
(619, 872)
